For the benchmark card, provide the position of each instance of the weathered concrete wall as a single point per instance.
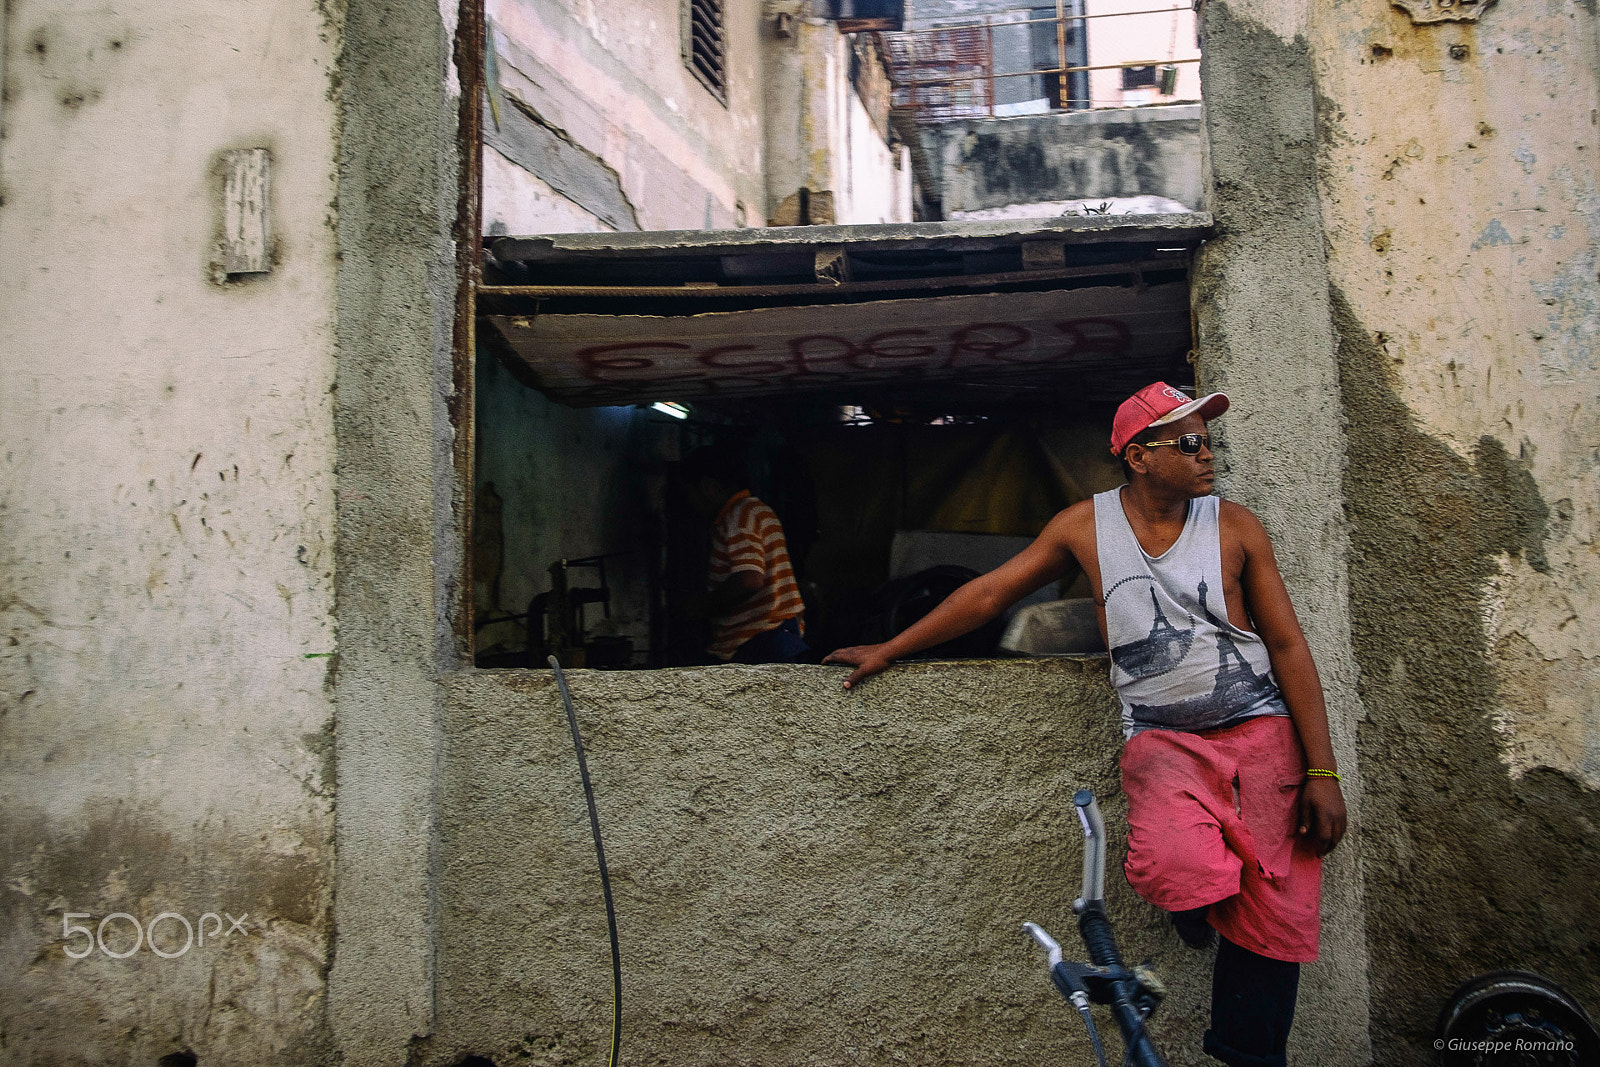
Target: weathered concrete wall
(801, 874)
(166, 529)
(1265, 336)
(609, 81)
(1027, 159)
(818, 134)
(598, 121)
(1458, 178)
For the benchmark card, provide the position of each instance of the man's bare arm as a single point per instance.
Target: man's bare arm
(728, 594)
(975, 603)
(734, 590)
(1323, 817)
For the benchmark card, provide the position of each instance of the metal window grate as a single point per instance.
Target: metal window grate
(705, 45)
(942, 74)
(1005, 65)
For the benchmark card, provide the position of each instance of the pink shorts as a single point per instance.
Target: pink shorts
(1213, 818)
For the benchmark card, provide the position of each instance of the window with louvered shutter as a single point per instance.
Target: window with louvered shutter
(705, 45)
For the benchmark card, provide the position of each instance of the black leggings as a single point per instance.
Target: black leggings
(1252, 1007)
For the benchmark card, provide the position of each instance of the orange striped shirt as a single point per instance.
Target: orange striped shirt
(747, 536)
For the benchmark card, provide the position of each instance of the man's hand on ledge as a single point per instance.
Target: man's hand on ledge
(866, 659)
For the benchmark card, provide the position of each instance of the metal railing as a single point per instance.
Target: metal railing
(949, 71)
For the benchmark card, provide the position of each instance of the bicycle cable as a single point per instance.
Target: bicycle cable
(600, 855)
(1094, 1034)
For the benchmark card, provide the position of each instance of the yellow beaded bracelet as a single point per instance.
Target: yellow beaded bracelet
(1318, 772)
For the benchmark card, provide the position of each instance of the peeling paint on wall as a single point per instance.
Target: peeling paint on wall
(1484, 296)
(1467, 368)
(1468, 870)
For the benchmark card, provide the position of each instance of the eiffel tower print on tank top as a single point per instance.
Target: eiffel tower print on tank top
(1199, 676)
(1157, 653)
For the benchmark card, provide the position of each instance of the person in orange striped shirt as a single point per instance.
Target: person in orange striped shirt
(753, 601)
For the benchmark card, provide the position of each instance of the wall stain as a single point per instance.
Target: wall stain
(322, 745)
(1466, 870)
(114, 858)
(114, 855)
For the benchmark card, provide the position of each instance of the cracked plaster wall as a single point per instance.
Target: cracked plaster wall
(1457, 174)
(166, 529)
(610, 80)
(1465, 238)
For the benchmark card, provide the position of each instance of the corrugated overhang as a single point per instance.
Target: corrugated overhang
(1092, 306)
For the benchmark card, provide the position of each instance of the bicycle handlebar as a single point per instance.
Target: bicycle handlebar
(1105, 980)
(1094, 847)
(1051, 946)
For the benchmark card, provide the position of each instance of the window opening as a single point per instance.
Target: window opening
(913, 402)
(705, 45)
(911, 425)
(1138, 77)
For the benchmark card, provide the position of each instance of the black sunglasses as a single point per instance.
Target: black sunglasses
(1189, 444)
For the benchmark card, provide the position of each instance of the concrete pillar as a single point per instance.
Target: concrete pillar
(1265, 336)
(397, 201)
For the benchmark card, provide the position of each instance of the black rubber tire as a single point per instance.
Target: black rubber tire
(1501, 1018)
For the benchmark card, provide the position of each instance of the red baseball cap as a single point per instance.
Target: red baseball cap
(1156, 405)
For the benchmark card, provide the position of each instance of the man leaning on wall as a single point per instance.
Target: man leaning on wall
(1233, 790)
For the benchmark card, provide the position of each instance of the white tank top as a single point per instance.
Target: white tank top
(1176, 661)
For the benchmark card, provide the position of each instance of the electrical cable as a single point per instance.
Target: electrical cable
(600, 855)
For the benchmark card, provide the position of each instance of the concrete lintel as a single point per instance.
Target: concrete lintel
(1180, 230)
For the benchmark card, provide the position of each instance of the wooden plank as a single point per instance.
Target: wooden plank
(246, 225)
(1043, 255)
